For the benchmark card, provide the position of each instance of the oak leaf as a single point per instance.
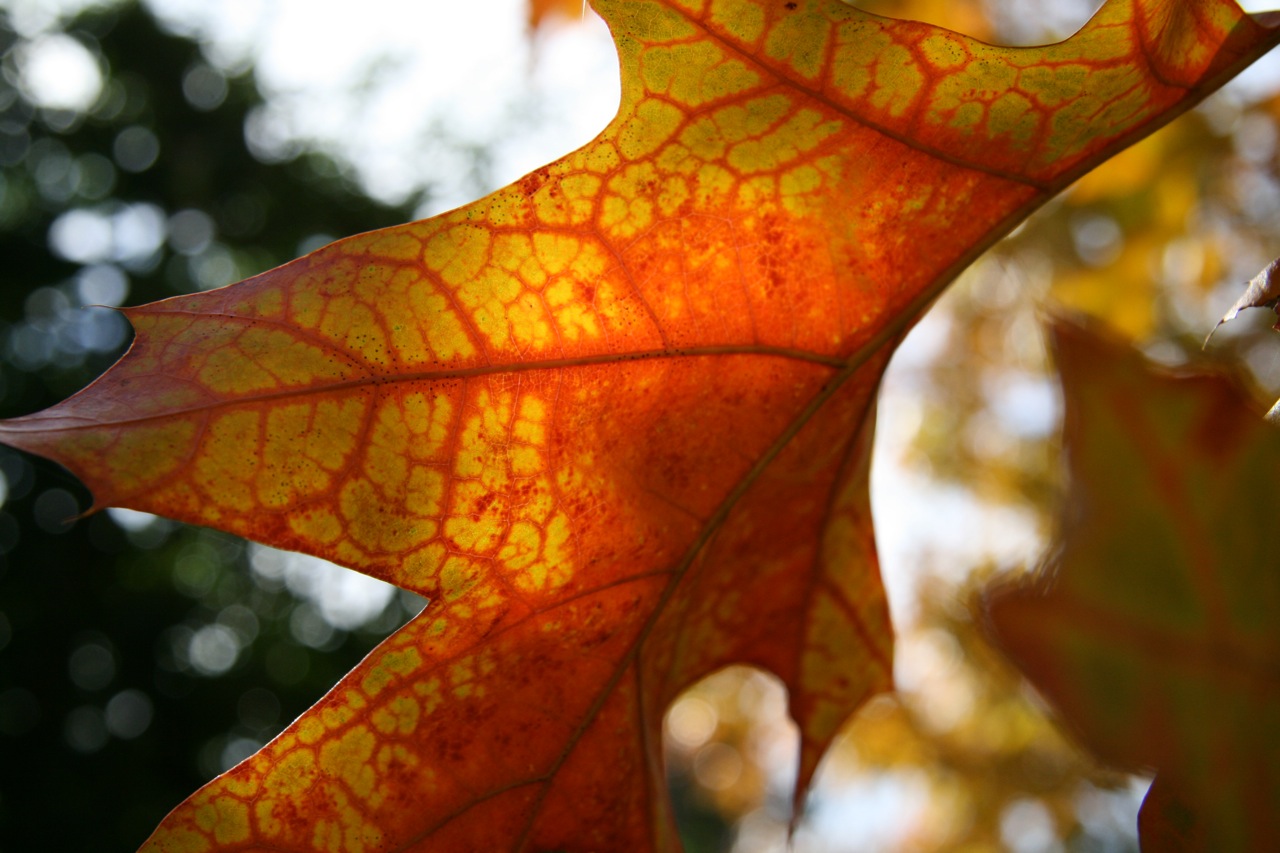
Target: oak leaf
(1155, 631)
(614, 419)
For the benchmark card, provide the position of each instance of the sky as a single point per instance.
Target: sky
(381, 85)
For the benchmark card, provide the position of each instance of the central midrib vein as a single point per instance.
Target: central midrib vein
(34, 422)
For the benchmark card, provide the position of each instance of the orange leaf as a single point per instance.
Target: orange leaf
(612, 419)
(1156, 631)
(542, 10)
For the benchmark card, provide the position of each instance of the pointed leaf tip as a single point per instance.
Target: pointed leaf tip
(1261, 291)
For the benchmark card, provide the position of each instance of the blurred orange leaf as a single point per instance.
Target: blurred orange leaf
(613, 419)
(541, 11)
(1156, 629)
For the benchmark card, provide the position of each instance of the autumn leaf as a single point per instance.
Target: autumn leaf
(1156, 629)
(1261, 291)
(540, 11)
(613, 420)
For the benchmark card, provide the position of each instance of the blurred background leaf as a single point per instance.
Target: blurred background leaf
(1155, 629)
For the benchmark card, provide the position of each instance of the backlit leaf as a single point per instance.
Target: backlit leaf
(1156, 630)
(614, 420)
